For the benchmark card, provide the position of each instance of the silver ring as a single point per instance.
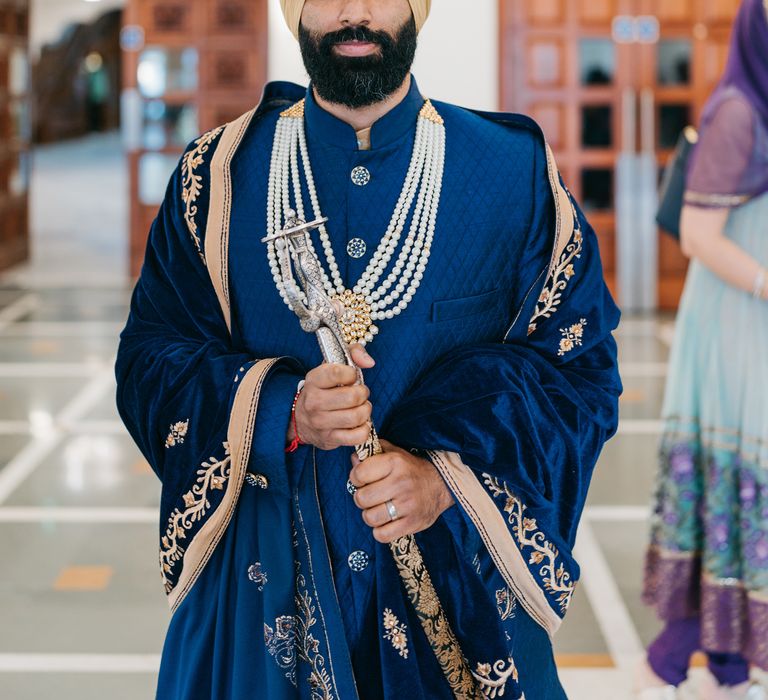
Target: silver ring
(392, 511)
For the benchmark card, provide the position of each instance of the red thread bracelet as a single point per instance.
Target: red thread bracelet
(297, 439)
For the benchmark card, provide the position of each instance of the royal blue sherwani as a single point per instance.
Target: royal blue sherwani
(502, 371)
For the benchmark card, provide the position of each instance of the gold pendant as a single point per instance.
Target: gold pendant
(355, 317)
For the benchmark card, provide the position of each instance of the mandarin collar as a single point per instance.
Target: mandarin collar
(391, 127)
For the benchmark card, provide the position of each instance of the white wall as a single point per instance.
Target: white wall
(457, 59)
(48, 18)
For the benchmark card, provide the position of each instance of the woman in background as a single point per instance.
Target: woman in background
(707, 566)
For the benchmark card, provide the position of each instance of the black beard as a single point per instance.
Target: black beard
(359, 81)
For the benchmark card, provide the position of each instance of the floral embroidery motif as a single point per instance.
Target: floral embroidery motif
(534, 544)
(558, 279)
(178, 431)
(572, 337)
(506, 603)
(495, 687)
(192, 184)
(395, 633)
(213, 474)
(423, 596)
(281, 644)
(291, 639)
(257, 575)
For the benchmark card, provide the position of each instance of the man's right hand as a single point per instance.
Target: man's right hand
(332, 410)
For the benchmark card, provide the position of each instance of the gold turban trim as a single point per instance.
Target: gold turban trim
(292, 10)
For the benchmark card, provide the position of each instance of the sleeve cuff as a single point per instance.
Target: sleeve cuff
(268, 456)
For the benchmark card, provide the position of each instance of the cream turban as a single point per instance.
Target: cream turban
(292, 11)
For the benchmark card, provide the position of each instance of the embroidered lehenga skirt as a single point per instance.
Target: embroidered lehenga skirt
(709, 540)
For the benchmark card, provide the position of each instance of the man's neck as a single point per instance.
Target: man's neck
(365, 117)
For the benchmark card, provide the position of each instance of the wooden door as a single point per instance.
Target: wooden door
(677, 74)
(189, 66)
(14, 132)
(600, 76)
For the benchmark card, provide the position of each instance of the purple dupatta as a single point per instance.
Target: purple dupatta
(730, 163)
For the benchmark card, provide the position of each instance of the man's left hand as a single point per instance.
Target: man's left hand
(411, 483)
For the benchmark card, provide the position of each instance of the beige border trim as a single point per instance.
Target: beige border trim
(220, 210)
(563, 212)
(493, 529)
(242, 421)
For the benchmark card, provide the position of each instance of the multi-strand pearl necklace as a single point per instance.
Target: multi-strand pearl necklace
(370, 299)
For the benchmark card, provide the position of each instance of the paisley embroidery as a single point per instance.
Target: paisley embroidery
(178, 431)
(395, 633)
(506, 603)
(534, 544)
(281, 644)
(559, 278)
(257, 575)
(192, 184)
(213, 475)
(495, 687)
(572, 337)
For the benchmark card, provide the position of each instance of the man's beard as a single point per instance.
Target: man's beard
(358, 81)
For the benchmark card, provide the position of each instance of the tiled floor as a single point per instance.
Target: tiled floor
(82, 612)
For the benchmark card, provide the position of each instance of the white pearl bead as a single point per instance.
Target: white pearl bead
(397, 311)
(389, 315)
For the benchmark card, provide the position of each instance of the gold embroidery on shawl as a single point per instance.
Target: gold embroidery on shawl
(552, 293)
(506, 603)
(423, 597)
(192, 184)
(396, 633)
(178, 431)
(557, 581)
(213, 475)
(572, 337)
(495, 687)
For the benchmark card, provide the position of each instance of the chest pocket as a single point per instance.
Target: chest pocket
(449, 309)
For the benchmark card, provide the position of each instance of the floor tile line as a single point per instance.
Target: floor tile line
(644, 370)
(16, 310)
(79, 663)
(635, 426)
(61, 329)
(20, 467)
(666, 333)
(50, 370)
(617, 513)
(78, 515)
(609, 608)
